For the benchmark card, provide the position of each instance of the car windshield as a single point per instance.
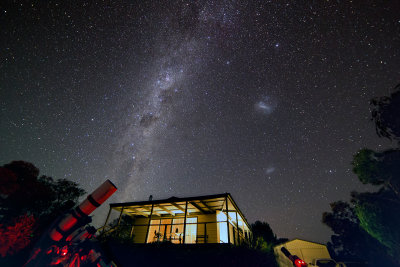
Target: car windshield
(326, 263)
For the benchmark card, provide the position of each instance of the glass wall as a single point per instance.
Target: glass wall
(172, 230)
(238, 230)
(222, 227)
(191, 230)
(177, 231)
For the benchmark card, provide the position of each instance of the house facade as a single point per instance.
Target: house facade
(192, 220)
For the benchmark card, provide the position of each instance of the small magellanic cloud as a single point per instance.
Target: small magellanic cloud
(269, 170)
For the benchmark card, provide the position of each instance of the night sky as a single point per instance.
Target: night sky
(267, 100)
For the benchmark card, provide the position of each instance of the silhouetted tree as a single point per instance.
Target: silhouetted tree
(16, 236)
(121, 233)
(25, 197)
(263, 236)
(350, 241)
(43, 197)
(385, 113)
(378, 168)
(378, 214)
(28, 194)
(373, 215)
(65, 194)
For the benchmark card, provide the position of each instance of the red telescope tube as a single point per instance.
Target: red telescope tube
(92, 202)
(297, 262)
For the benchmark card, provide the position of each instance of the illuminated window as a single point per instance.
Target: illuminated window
(154, 230)
(222, 227)
(177, 231)
(191, 230)
(172, 230)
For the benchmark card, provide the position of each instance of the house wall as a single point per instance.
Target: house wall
(231, 234)
(140, 230)
(211, 228)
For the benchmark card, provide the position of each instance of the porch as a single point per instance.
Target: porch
(194, 220)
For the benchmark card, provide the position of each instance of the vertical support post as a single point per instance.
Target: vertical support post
(227, 218)
(234, 234)
(108, 217)
(205, 233)
(237, 229)
(184, 224)
(130, 235)
(148, 224)
(119, 219)
(120, 216)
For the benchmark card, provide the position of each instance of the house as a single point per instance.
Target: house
(191, 220)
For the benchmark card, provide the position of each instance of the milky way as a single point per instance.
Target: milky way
(267, 100)
(166, 87)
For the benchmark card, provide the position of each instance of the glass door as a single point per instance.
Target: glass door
(191, 230)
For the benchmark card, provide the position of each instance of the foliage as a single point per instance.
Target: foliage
(378, 215)
(23, 193)
(17, 236)
(350, 241)
(378, 212)
(263, 245)
(65, 194)
(8, 182)
(282, 240)
(370, 224)
(368, 166)
(263, 237)
(262, 229)
(378, 168)
(385, 114)
(40, 197)
(122, 232)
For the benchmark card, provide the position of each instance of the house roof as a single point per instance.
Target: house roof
(175, 206)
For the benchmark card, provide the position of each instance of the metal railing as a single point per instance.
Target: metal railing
(206, 232)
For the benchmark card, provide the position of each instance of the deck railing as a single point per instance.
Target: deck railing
(206, 232)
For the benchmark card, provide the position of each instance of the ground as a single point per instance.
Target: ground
(165, 254)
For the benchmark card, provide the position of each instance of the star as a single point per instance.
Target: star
(259, 100)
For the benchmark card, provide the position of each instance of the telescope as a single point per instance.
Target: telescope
(297, 262)
(67, 242)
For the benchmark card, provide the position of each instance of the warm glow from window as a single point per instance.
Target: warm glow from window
(172, 230)
(191, 230)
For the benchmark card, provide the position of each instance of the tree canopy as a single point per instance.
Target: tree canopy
(25, 192)
(26, 197)
(385, 114)
(263, 236)
(378, 214)
(369, 224)
(378, 168)
(122, 231)
(350, 241)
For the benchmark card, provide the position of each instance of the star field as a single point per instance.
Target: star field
(267, 100)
